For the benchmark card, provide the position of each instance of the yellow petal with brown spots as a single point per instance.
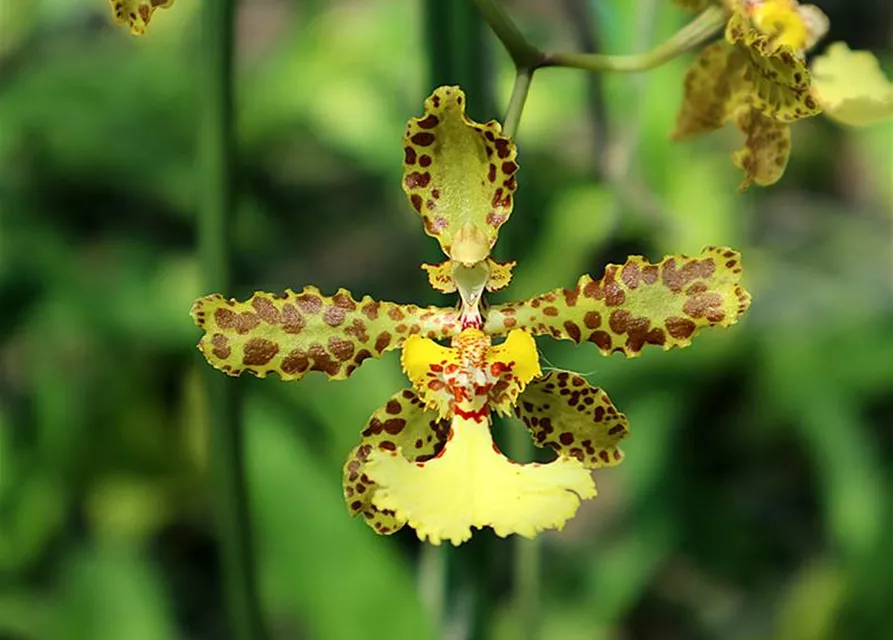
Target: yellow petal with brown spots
(764, 156)
(776, 77)
(469, 483)
(714, 90)
(443, 276)
(459, 175)
(635, 304)
(137, 14)
(565, 413)
(500, 274)
(295, 333)
(470, 370)
(404, 423)
(851, 86)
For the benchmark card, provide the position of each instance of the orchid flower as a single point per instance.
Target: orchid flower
(427, 458)
(757, 76)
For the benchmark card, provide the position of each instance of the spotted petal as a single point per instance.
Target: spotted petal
(565, 413)
(470, 484)
(137, 14)
(307, 331)
(635, 304)
(851, 86)
(459, 175)
(777, 77)
(402, 423)
(767, 145)
(714, 90)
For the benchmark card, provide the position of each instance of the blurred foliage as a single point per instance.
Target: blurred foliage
(755, 502)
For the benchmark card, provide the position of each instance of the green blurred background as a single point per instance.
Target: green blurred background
(756, 499)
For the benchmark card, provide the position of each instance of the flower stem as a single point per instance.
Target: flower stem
(698, 31)
(432, 578)
(227, 460)
(516, 102)
(523, 54)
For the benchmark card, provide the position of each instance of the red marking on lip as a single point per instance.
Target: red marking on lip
(476, 414)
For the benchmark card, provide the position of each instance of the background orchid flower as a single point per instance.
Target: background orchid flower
(426, 458)
(136, 14)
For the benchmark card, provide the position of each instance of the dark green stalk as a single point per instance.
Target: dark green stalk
(224, 407)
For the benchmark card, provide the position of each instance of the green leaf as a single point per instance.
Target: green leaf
(638, 303)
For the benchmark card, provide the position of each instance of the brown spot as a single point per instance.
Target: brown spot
(295, 362)
(700, 305)
(649, 274)
(266, 310)
(341, 348)
(619, 320)
(221, 348)
(551, 311)
(593, 289)
(357, 329)
(321, 360)
(491, 173)
(309, 303)
(425, 161)
(409, 155)
(382, 341)
(334, 315)
(566, 438)
(370, 309)
(613, 431)
(502, 147)
(259, 351)
(680, 328)
(630, 275)
(292, 320)
(430, 122)
(394, 426)
(423, 139)
(602, 339)
(387, 445)
(416, 201)
(509, 167)
(393, 407)
(417, 180)
(592, 319)
(572, 330)
(361, 356)
(395, 314)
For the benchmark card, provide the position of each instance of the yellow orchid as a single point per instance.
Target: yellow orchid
(851, 87)
(757, 77)
(136, 14)
(427, 458)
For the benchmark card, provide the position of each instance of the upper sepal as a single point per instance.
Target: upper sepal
(635, 304)
(459, 176)
(295, 333)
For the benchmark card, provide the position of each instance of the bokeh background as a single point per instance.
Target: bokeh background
(756, 499)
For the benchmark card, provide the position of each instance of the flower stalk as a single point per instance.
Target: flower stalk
(224, 406)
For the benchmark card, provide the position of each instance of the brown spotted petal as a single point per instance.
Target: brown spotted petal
(714, 90)
(402, 424)
(767, 145)
(459, 175)
(777, 78)
(136, 14)
(565, 413)
(300, 332)
(635, 304)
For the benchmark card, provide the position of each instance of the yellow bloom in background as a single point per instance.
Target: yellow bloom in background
(136, 14)
(851, 87)
(426, 458)
(757, 78)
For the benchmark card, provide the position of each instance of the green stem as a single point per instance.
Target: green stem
(433, 583)
(516, 102)
(227, 461)
(523, 54)
(701, 29)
